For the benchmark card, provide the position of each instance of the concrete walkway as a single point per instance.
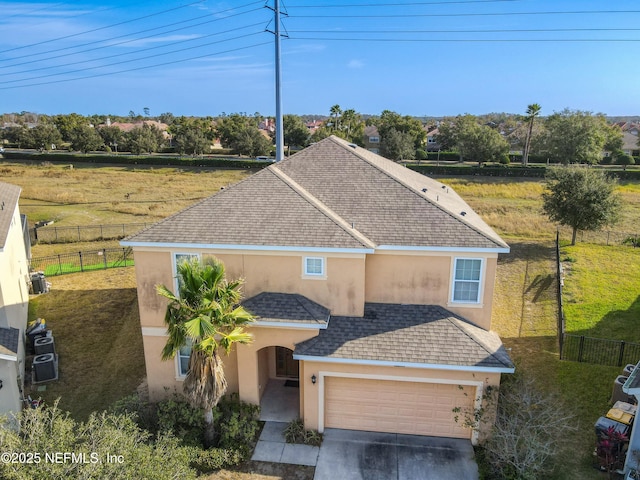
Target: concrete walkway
(271, 447)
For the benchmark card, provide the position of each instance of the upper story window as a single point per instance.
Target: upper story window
(374, 139)
(314, 266)
(178, 259)
(466, 280)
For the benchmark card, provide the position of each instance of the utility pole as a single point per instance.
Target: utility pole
(279, 122)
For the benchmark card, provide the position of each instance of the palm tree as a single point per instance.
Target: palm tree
(335, 112)
(533, 111)
(205, 314)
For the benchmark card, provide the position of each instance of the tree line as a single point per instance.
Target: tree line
(569, 136)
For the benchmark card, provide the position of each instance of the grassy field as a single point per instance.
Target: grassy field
(600, 301)
(93, 195)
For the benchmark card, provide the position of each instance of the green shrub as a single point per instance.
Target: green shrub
(632, 240)
(236, 423)
(207, 461)
(421, 154)
(182, 419)
(143, 413)
(296, 433)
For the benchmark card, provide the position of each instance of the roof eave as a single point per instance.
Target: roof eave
(229, 246)
(386, 363)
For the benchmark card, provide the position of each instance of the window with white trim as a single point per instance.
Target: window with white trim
(178, 258)
(314, 266)
(374, 139)
(466, 280)
(183, 359)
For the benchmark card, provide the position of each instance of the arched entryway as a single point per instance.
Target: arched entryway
(278, 376)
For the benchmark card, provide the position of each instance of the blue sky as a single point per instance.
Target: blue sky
(432, 57)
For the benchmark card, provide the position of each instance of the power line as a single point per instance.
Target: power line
(122, 43)
(135, 51)
(479, 40)
(403, 4)
(137, 68)
(497, 30)
(127, 35)
(102, 28)
(132, 60)
(486, 14)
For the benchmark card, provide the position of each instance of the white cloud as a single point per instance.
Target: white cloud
(355, 64)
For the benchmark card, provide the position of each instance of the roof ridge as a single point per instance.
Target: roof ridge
(457, 325)
(305, 304)
(389, 174)
(321, 207)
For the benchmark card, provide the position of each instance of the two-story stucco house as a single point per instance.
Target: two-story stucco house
(372, 284)
(14, 298)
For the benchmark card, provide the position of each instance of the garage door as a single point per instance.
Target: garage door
(396, 407)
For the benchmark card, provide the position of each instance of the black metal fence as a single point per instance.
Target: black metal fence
(560, 286)
(84, 233)
(579, 348)
(604, 237)
(83, 261)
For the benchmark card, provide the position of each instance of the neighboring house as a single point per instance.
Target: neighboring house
(14, 297)
(372, 139)
(630, 144)
(373, 285)
(432, 140)
(313, 125)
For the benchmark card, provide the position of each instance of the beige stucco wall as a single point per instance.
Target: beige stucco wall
(425, 278)
(341, 291)
(162, 376)
(10, 394)
(152, 268)
(311, 393)
(251, 382)
(14, 270)
(14, 307)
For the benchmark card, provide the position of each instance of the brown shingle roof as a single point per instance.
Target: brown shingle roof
(385, 201)
(330, 195)
(9, 195)
(286, 308)
(262, 210)
(407, 334)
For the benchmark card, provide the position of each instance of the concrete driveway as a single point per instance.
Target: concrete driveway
(385, 456)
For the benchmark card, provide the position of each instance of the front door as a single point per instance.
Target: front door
(286, 366)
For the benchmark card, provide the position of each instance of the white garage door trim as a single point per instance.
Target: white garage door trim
(321, 387)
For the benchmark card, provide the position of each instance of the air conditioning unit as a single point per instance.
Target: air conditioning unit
(45, 368)
(44, 345)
